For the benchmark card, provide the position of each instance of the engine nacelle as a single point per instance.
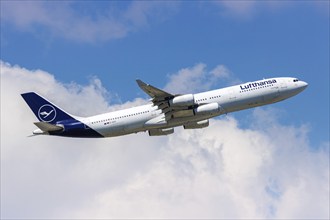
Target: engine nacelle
(208, 109)
(183, 100)
(198, 124)
(160, 132)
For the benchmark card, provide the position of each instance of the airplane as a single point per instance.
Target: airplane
(164, 110)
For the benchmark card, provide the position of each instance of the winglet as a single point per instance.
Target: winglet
(141, 83)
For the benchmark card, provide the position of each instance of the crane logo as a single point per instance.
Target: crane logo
(47, 113)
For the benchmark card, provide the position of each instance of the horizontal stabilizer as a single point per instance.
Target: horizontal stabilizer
(45, 126)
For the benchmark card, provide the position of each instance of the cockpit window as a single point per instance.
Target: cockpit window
(295, 80)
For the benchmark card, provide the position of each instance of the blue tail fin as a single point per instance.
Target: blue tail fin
(45, 110)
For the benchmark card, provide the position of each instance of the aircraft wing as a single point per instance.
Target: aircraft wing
(159, 97)
(155, 93)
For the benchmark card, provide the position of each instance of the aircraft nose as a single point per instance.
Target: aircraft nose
(303, 84)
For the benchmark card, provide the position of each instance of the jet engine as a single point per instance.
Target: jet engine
(208, 109)
(183, 100)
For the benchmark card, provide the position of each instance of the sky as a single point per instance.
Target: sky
(270, 162)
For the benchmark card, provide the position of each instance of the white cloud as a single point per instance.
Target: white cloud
(187, 80)
(68, 20)
(267, 170)
(198, 78)
(238, 8)
(245, 10)
(221, 71)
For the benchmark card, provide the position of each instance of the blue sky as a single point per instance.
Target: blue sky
(99, 48)
(252, 39)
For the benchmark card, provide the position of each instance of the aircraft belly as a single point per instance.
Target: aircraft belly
(122, 128)
(252, 99)
(181, 121)
(241, 102)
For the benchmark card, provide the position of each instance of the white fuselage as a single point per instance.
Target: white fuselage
(234, 98)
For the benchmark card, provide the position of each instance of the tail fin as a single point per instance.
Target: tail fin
(45, 110)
